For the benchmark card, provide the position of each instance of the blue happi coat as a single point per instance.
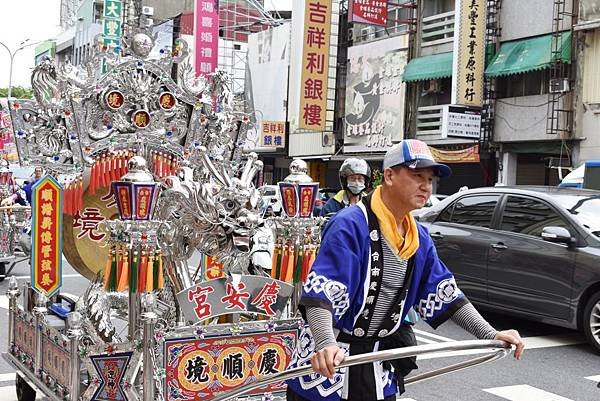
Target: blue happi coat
(339, 281)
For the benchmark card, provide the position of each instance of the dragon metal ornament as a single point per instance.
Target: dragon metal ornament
(210, 205)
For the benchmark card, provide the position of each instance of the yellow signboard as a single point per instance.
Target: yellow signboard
(315, 64)
(469, 53)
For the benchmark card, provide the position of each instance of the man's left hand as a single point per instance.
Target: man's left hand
(512, 337)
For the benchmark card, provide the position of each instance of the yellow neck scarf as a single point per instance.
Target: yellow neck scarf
(405, 246)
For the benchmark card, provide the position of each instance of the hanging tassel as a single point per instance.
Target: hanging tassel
(160, 281)
(289, 270)
(91, 188)
(305, 262)
(281, 269)
(142, 271)
(107, 270)
(79, 194)
(313, 256)
(150, 272)
(155, 162)
(124, 276)
(66, 208)
(298, 269)
(276, 258)
(112, 283)
(159, 160)
(119, 266)
(133, 276)
(112, 169)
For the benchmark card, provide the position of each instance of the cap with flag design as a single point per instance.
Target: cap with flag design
(414, 154)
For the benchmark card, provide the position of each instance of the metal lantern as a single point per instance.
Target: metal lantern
(298, 191)
(136, 192)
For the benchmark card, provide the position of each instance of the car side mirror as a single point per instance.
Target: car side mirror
(558, 235)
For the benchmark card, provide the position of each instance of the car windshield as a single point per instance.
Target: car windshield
(269, 192)
(585, 209)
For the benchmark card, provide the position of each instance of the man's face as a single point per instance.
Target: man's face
(411, 188)
(355, 178)
(37, 173)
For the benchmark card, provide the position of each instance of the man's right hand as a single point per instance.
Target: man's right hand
(327, 360)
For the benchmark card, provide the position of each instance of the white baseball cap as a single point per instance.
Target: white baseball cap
(414, 154)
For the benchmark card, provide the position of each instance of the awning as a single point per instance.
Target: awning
(520, 56)
(428, 67)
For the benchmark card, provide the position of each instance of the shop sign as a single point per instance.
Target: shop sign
(203, 368)
(46, 240)
(206, 33)
(469, 53)
(315, 65)
(111, 27)
(460, 121)
(272, 134)
(221, 296)
(371, 12)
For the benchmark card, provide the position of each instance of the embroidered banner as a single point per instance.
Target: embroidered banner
(468, 155)
(46, 240)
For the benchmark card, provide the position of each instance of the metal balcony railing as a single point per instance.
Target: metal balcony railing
(437, 29)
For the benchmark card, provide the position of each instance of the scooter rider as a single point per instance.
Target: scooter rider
(355, 176)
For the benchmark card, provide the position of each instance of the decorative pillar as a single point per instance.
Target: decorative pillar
(39, 312)
(74, 333)
(13, 294)
(149, 318)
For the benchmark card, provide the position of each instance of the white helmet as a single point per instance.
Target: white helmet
(353, 166)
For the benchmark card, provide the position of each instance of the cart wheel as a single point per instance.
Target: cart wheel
(2, 271)
(24, 390)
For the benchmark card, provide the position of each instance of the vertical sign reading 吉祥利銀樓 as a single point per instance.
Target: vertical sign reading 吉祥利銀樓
(112, 27)
(315, 64)
(206, 34)
(46, 240)
(469, 53)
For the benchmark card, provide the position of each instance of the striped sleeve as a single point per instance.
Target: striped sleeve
(469, 319)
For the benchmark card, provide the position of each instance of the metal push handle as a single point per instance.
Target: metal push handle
(495, 350)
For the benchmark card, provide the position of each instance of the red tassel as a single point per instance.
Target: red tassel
(66, 208)
(92, 186)
(111, 168)
(80, 194)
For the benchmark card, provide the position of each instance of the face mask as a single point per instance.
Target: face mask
(356, 187)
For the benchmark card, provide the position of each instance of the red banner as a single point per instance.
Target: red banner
(201, 369)
(372, 12)
(46, 240)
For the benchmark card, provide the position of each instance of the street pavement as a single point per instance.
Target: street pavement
(557, 364)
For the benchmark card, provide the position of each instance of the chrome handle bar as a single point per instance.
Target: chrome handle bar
(495, 350)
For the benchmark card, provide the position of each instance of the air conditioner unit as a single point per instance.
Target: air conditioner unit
(327, 139)
(149, 22)
(147, 10)
(432, 86)
(559, 85)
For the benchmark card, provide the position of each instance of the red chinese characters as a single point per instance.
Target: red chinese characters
(267, 297)
(114, 100)
(273, 134)
(313, 102)
(87, 222)
(166, 101)
(46, 256)
(200, 297)
(235, 296)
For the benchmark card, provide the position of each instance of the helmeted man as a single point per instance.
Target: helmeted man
(355, 176)
(375, 263)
